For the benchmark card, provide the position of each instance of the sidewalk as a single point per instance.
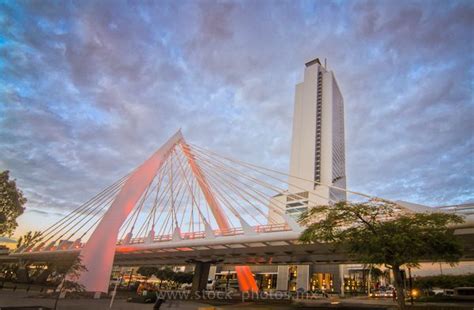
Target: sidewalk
(12, 299)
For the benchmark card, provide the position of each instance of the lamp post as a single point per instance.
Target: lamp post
(410, 282)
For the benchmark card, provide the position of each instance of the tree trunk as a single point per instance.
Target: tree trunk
(61, 285)
(397, 274)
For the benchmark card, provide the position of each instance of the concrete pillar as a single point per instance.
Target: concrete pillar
(22, 275)
(282, 278)
(341, 277)
(212, 272)
(302, 277)
(201, 273)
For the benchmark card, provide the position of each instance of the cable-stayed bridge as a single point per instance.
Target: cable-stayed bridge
(186, 204)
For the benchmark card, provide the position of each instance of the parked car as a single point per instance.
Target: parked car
(382, 293)
(211, 285)
(441, 291)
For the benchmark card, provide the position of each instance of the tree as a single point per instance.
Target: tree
(69, 272)
(376, 274)
(11, 204)
(147, 271)
(164, 274)
(182, 277)
(22, 270)
(28, 239)
(379, 232)
(444, 281)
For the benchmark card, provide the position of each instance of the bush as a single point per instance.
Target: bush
(444, 281)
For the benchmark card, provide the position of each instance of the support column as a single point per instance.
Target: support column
(302, 277)
(246, 279)
(212, 272)
(22, 275)
(341, 278)
(282, 278)
(201, 274)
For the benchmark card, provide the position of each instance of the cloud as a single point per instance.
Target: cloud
(91, 89)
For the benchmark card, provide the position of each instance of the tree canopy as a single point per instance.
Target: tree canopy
(445, 281)
(166, 274)
(147, 271)
(28, 239)
(380, 232)
(183, 277)
(11, 204)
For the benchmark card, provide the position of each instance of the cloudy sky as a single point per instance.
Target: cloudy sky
(89, 89)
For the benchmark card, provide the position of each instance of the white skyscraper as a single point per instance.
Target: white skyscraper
(317, 147)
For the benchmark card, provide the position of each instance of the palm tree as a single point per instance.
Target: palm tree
(28, 239)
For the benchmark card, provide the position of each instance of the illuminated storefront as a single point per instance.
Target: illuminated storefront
(322, 281)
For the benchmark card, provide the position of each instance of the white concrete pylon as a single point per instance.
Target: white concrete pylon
(50, 246)
(177, 234)
(292, 223)
(208, 232)
(76, 244)
(248, 230)
(151, 236)
(128, 238)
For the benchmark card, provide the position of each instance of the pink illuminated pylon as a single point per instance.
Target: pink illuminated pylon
(98, 253)
(244, 274)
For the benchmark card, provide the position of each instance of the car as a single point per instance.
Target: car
(382, 293)
(211, 285)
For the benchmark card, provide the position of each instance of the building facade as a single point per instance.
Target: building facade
(317, 156)
(317, 160)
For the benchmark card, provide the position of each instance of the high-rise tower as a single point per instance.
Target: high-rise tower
(317, 147)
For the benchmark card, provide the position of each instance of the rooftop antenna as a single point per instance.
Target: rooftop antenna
(325, 63)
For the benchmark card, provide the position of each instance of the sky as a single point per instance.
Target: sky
(89, 89)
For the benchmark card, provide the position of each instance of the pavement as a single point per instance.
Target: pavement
(9, 298)
(16, 299)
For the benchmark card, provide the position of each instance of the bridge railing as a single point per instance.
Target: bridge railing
(218, 233)
(272, 228)
(68, 245)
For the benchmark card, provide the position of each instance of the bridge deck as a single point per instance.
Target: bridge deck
(271, 248)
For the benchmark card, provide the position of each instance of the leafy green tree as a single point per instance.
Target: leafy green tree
(376, 273)
(11, 204)
(182, 277)
(444, 281)
(165, 274)
(23, 270)
(379, 232)
(28, 239)
(69, 272)
(147, 271)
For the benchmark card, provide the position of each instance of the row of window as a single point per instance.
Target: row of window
(319, 107)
